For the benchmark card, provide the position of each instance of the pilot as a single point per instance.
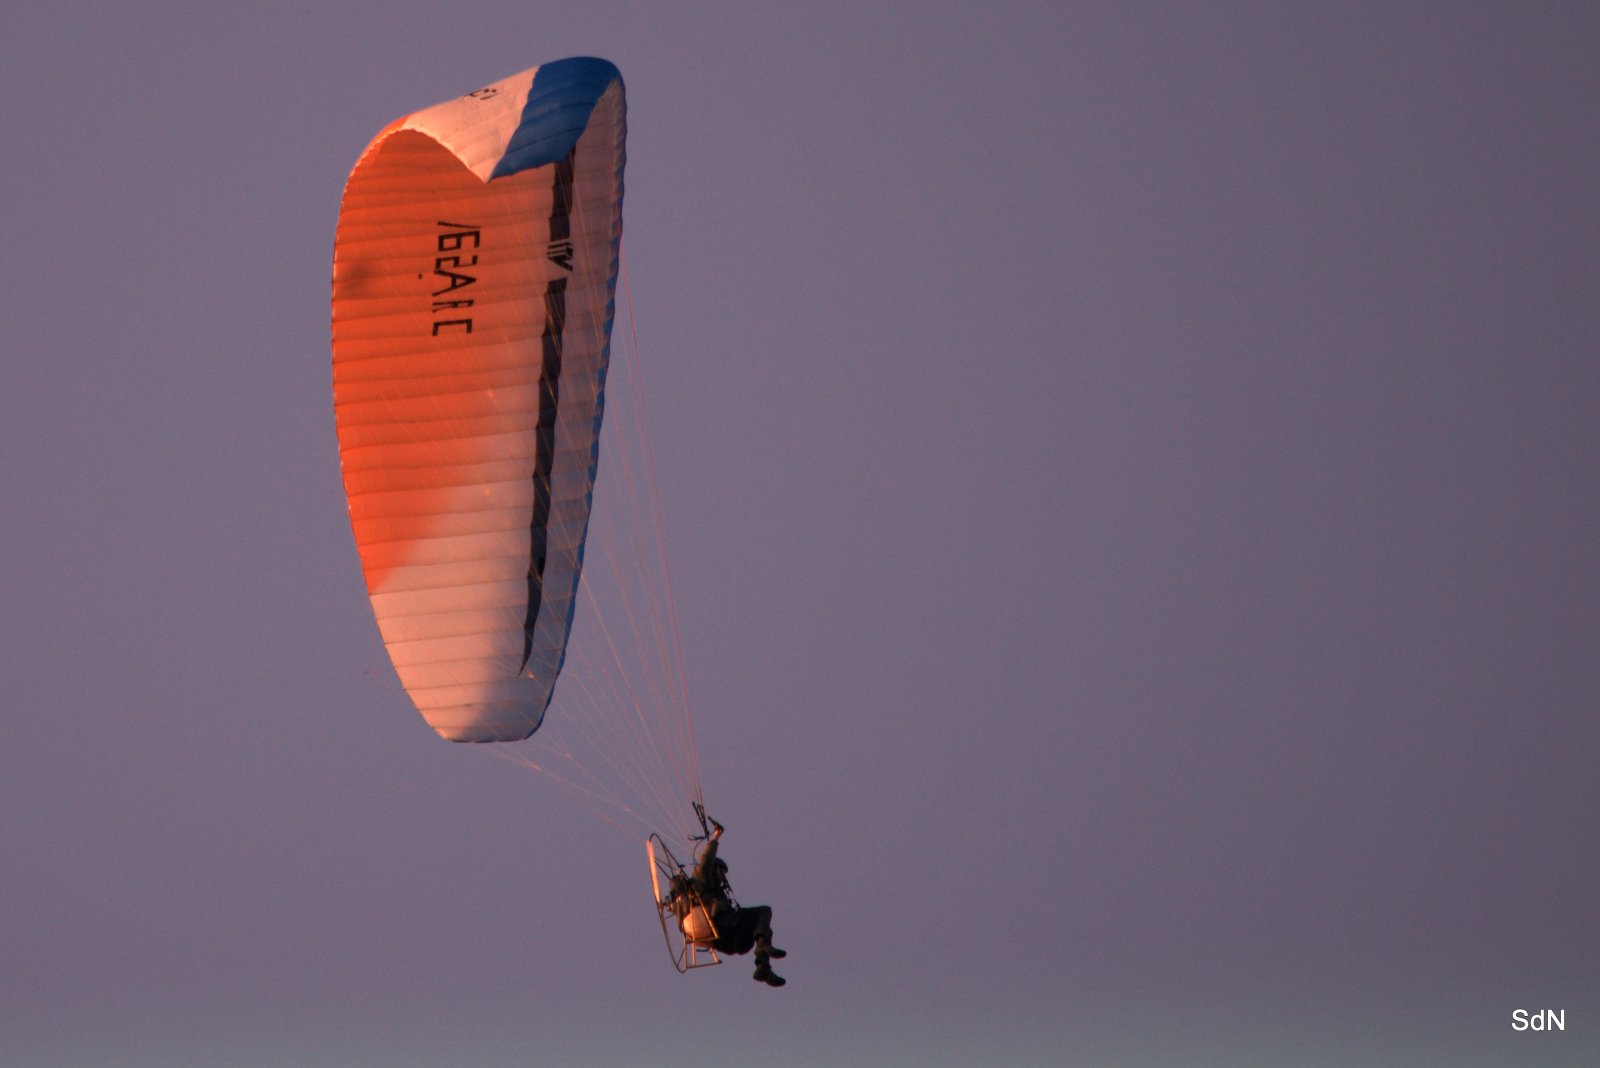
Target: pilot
(738, 930)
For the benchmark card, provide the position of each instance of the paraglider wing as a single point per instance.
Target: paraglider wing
(474, 276)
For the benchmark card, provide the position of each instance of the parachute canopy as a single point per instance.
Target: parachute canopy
(474, 278)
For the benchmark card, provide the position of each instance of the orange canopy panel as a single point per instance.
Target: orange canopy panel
(474, 279)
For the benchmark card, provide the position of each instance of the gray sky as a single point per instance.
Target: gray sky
(1130, 474)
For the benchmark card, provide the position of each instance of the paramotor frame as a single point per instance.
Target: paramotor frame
(686, 922)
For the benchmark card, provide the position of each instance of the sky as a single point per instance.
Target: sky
(1129, 472)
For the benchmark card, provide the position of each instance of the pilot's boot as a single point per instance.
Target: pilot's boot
(765, 948)
(765, 974)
